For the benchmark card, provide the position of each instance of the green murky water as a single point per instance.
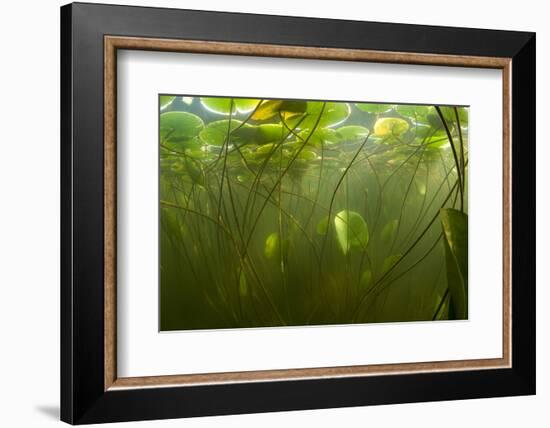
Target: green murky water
(291, 212)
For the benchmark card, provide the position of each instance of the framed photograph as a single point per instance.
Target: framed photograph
(266, 213)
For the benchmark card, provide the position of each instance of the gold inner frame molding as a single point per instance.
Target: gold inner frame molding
(113, 43)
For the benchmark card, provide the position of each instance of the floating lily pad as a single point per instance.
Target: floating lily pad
(331, 114)
(179, 126)
(165, 101)
(273, 108)
(353, 133)
(390, 127)
(320, 136)
(215, 133)
(374, 108)
(270, 132)
(223, 105)
(412, 111)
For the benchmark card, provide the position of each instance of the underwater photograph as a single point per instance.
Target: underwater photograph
(290, 212)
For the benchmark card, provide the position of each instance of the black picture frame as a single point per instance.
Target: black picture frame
(83, 396)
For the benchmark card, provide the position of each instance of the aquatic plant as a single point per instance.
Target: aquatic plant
(291, 212)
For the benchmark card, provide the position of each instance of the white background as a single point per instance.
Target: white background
(142, 351)
(29, 219)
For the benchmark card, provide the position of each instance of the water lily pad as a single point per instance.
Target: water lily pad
(270, 132)
(353, 133)
(179, 125)
(320, 137)
(351, 230)
(374, 108)
(272, 247)
(215, 133)
(412, 111)
(222, 105)
(332, 115)
(166, 100)
(272, 108)
(390, 126)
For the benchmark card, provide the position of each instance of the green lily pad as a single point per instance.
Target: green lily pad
(179, 126)
(374, 108)
(353, 133)
(272, 108)
(332, 115)
(320, 137)
(271, 132)
(390, 127)
(412, 111)
(272, 246)
(351, 230)
(222, 105)
(455, 231)
(166, 100)
(215, 133)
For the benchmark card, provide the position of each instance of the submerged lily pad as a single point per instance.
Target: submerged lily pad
(455, 230)
(351, 231)
(272, 247)
(390, 127)
(195, 171)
